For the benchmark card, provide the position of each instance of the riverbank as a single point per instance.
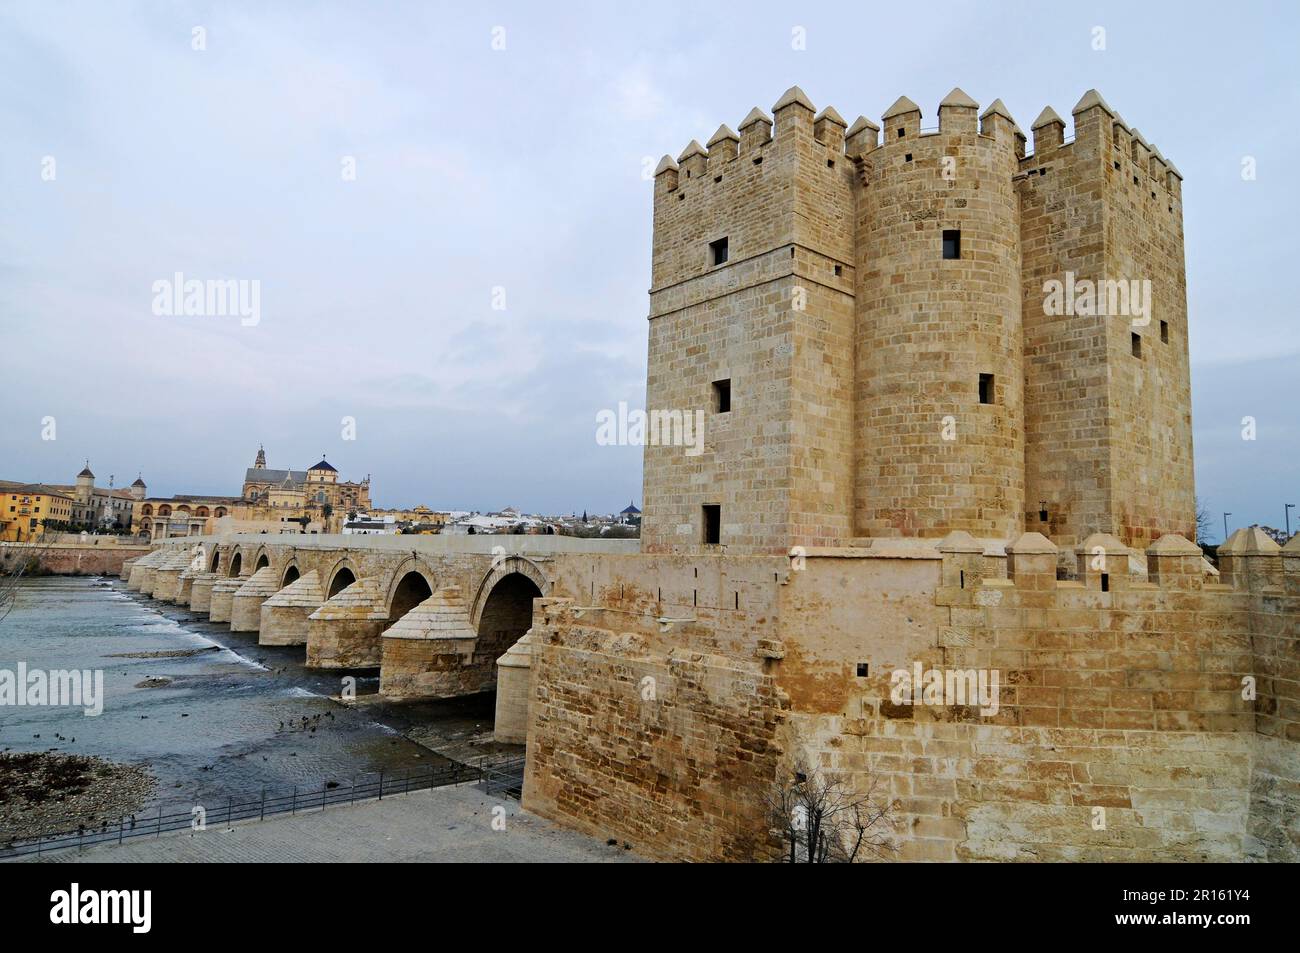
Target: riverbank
(211, 713)
(43, 793)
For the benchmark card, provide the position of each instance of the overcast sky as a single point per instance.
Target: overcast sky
(521, 169)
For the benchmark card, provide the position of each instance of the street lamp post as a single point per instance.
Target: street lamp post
(1225, 526)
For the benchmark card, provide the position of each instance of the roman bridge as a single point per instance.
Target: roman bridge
(437, 615)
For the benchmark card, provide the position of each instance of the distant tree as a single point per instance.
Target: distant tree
(28, 562)
(1277, 535)
(1204, 522)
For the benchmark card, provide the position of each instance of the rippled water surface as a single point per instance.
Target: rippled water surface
(229, 722)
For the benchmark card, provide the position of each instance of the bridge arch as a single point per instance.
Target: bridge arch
(503, 608)
(411, 588)
(341, 575)
(236, 562)
(262, 558)
(511, 565)
(402, 577)
(291, 573)
(214, 560)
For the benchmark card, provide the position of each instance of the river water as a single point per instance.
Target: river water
(229, 722)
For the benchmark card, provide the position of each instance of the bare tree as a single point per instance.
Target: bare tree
(821, 820)
(1204, 522)
(29, 559)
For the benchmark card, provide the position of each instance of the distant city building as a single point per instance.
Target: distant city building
(367, 525)
(28, 510)
(309, 489)
(93, 508)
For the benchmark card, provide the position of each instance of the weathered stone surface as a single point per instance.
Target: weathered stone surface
(285, 614)
(246, 603)
(222, 597)
(429, 652)
(344, 632)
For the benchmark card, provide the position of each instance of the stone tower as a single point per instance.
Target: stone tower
(138, 489)
(864, 321)
(85, 490)
(260, 462)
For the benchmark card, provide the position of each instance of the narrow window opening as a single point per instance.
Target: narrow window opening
(862, 669)
(901, 130)
(717, 178)
(737, 600)
(951, 243)
(986, 388)
(839, 270)
(1135, 180)
(1117, 163)
(1043, 171)
(659, 594)
(1105, 582)
(718, 251)
(1164, 332)
(830, 163)
(1137, 344)
(758, 161)
(908, 157)
(712, 523)
(681, 197)
(722, 397)
(695, 597)
(961, 579)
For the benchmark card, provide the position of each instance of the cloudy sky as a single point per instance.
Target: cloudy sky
(514, 175)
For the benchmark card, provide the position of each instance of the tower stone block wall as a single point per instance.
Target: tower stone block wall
(881, 318)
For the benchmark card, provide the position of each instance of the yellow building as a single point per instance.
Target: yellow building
(29, 510)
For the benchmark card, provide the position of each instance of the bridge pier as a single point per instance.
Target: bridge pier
(167, 577)
(142, 572)
(246, 603)
(285, 614)
(344, 631)
(514, 687)
(201, 591)
(184, 585)
(223, 597)
(429, 652)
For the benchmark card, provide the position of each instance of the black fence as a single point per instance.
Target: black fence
(503, 779)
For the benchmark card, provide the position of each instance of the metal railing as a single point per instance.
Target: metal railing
(505, 779)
